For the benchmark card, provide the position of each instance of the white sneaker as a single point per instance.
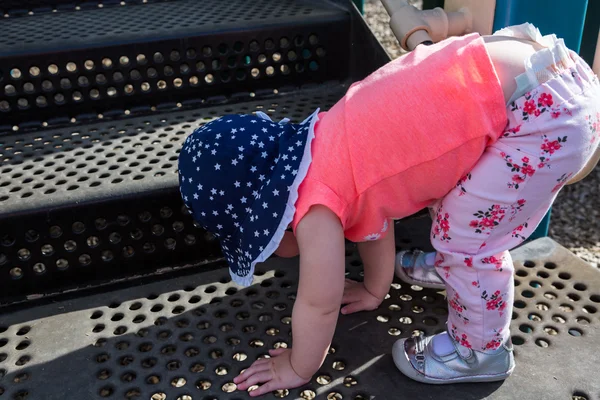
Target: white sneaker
(415, 358)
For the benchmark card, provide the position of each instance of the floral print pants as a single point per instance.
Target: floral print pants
(552, 132)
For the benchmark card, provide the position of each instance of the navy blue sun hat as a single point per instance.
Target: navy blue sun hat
(239, 177)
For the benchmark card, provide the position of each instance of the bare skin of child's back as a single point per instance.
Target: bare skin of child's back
(322, 288)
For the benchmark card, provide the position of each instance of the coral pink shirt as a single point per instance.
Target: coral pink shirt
(403, 137)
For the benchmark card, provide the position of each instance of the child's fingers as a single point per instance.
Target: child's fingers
(353, 307)
(350, 295)
(348, 298)
(264, 389)
(349, 282)
(255, 379)
(261, 361)
(276, 352)
(254, 368)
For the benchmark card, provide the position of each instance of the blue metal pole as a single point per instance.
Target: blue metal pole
(360, 4)
(565, 19)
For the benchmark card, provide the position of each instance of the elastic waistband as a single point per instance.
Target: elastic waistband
(543, 65)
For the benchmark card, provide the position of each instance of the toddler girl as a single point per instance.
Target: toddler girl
(510, 117)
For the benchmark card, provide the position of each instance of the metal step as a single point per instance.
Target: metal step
(98, 202)
(96, 98)
(13, 8)
(187, 338)
(74, 65)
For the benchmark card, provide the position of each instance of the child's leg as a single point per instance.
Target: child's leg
(550, 137)
(478, 271)
(501, 203)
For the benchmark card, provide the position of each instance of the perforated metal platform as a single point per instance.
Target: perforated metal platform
(186, 338)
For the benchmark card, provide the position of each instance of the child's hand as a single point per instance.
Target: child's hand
(358, 298)
(274, 373)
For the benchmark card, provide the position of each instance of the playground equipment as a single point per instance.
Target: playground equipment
(108, 289)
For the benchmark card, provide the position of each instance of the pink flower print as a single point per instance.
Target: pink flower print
(551, 147)
(543, 104)
(528, 170)
(541, 165)
(495, 342)
(487, 220)
(529, 107)
(439, 265)
(561, 182)
(455, 305)
(492, 345)
(469, 261)
(510, 131)
(446, 272)
(545, 100)
(475, 283)
(461, 183)
(516, 207)
(493, 260)
(463, 339)
(442, 226)
(523, 170)
(495, 302)
(458, 308)
(445, 225)
(517, 232)
(492, 304)
(440, 261)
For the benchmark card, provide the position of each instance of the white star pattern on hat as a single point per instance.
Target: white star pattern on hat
(249, 186)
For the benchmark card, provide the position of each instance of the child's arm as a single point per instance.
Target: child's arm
(378, 258)
(321, 242)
